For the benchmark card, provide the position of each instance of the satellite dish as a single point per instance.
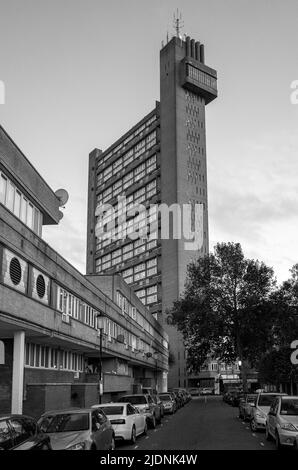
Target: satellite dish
(63, 196)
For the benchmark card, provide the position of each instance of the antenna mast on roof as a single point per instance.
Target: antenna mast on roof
(178, 23)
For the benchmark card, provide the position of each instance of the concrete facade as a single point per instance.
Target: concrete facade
(187, 84)
(49, 313)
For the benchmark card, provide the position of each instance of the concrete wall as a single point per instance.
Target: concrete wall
(28, 179)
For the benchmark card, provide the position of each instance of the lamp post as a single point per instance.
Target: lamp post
(155, 355)
(100, 327)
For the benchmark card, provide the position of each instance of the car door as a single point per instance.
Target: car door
(131, 416)
(6, 439)
(140, 419)
(22, 434)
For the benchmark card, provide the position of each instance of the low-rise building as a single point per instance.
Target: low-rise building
(60, 331)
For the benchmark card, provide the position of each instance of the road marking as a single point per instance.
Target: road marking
(136, 447)
(262, 444)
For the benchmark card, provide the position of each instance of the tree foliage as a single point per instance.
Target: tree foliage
(226, 309)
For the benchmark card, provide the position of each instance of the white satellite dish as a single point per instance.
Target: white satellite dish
(63, 196)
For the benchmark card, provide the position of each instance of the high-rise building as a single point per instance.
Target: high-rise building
(161, 160)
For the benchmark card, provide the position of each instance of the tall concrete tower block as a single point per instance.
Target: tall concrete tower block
(187, 84)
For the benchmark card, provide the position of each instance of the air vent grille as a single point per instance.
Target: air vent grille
(15, 271)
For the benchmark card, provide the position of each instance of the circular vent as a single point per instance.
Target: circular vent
(40, 286)
(15, 271)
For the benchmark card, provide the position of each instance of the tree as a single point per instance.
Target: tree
(275, 366)
(226, 309)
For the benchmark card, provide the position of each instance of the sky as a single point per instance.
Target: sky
(78, 74)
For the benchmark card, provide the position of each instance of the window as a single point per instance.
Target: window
(10, 196)
(3, 188)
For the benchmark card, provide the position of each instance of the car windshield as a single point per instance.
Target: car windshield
(135, 399)
(289, 407)
(266, 400)
(65, 422)
(113, 410)
(165, 397)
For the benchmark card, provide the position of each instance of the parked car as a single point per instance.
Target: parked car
(194, 392)
(146, 405)
(230, 396)
(21, 432)
(261, 408)
(178, 398)
(206, 391)
(159, 403)
(127, 421)
(245, 406)
(169, 403)
(236, 398)
(78, 429)
(282, 421)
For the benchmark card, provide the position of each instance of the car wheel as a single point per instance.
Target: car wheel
(153, 422)
(253, 426)
(145, 429)
(112, 447)
(268, 435)
(133, 435)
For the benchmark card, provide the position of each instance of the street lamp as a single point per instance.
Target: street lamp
(100, 327)
(155, 355)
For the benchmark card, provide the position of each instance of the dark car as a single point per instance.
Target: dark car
(20, 432)
(78, 429)
(236, 398)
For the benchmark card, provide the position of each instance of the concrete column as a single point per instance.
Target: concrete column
(18, 372)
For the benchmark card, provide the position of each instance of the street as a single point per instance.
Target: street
(203, 424)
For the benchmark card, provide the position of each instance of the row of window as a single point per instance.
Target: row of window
(122, 254)
(127, 307)
(139, 131)
(140, 271)
(192, 110)
(70, 305)
(148, 296)
(122, 162)
(12, 198)
(199, 76)
(44, 357)
(143, 226)
(193, 149)
(128, 180)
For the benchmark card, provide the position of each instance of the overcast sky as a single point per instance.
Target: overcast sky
(78, 74)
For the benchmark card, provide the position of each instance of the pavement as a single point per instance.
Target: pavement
(205, 423)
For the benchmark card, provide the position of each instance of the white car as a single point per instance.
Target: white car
(282, 422)
(126, 420)
(261, 408)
